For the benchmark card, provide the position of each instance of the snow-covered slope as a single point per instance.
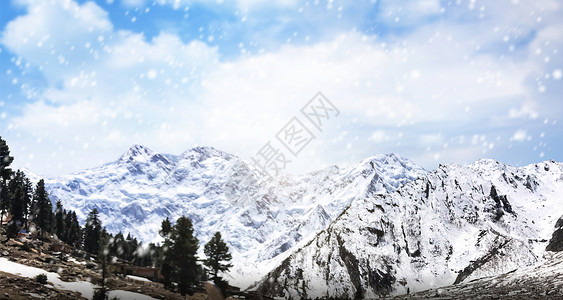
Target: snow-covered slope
(544, 281)
(262, 220)
(454, 225)
(85, 288)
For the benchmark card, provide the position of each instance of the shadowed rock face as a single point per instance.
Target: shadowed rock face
(457, 224)
(556, 242)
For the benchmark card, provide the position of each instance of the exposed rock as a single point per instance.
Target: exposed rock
(556, 242)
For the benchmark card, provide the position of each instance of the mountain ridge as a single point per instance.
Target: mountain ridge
(262, 219)
(455, 224)
(269, 222)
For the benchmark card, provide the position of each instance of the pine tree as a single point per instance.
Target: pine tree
(92, 232)
(156, 254)
(165, 228)
(218, 256)
(116, 246)
(167, 257)
(60, 229)
(131, 244)
(105, 238)
(27, 186)
(101, 293)
(42, 209)
(67, 223)
(20, 191)
(184, 250)
(5, 175)
(12, 230)
(146, 258)
(4, 199)
(73, 233)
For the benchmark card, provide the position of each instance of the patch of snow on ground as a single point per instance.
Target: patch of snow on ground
(86, 289)
(72, 259)
(137, 278)
(125, 295)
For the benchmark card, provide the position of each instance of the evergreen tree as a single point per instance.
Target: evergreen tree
(4, 199)
(184, 250)
(12, 230)
(20, 191)
(166, 260)
(42, 209)
(60, 229)
(142, 255)
(101, 293)
(165, 228)
(67, 219)
(27, 186)
(146, 258)
(105, 238)
(73, 231)
(5, 160)
(92, 232)
(156, 255)
(5, 175)
(218, 256)
(130, 248)
(116, 245)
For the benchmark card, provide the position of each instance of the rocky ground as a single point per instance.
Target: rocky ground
(544, 281)
(70, 268)
(541, 282)
(16, 287)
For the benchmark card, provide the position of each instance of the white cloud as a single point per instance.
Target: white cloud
(405, 13)
(527, 109)
(431, 140)
(242, 4)
(170, 95)
(54, 32)
(519, 136)
(378, 136)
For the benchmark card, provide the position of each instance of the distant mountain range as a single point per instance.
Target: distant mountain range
(262, 220)
(452, 225)
(383, 226)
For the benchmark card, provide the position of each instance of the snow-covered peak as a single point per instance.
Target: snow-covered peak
(391, 163)
(383, 203)
(454, 224)
(391, 170)
(137, 152)
(488, 166)
(262, 219)
(391, 159)
(201, 153)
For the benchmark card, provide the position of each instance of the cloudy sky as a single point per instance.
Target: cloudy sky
(435, 81)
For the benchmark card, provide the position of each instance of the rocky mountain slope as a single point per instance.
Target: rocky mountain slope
(544, 281)
(453, 225)
(263, 220)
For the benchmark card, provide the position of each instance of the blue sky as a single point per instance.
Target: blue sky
(435, 81)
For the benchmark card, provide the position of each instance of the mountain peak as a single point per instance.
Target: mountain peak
(487, 162)
(487, 166)
(135, 152)
(201, 153)
(381, 161)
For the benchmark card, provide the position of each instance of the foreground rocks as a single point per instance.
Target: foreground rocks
(541, 282)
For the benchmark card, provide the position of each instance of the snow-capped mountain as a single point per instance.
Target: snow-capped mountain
(453, 225)
(263, 220)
